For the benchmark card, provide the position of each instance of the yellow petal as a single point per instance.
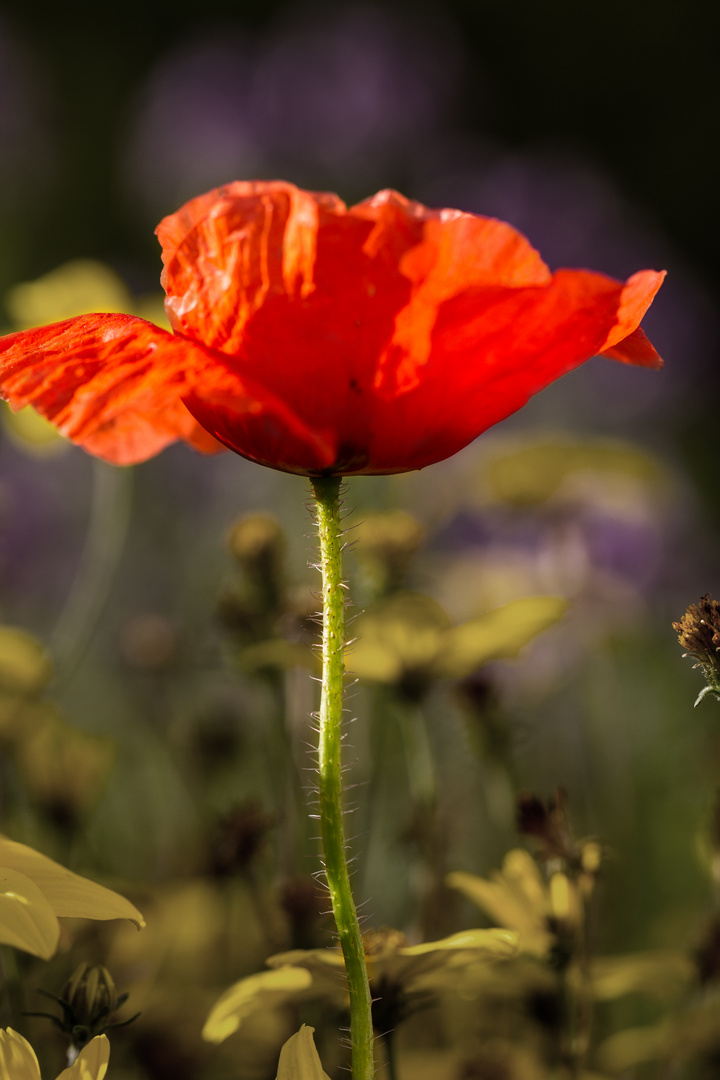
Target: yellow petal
(25, 667)
(27, 920)
(92, 1061)
(497, 635)
(258, 992)
(75, 288)
(633, 1047)
(402, 634)
(516, 898)
(662, 974)
(17, 1057)
(299, 1059)
(496, 944)
(69, 894)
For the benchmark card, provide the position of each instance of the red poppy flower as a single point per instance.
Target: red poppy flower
(324, 340)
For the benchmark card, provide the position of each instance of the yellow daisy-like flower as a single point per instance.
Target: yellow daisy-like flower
(399, 975)
(18, 1060)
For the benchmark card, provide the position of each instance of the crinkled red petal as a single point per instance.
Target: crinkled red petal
(115, 385)
(433, 391)
(111, 383)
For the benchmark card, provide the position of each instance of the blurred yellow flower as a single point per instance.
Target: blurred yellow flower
(398, 973)
(64, 769)
(409, 640)
(35, 891)
(384, 545)
(18, 1060)
(78, 287)
(519, 898)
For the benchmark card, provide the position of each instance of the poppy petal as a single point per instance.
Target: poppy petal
(637, 296)
(491, 350)
(635, 349)
(307, 295)
(110, 382)
(225, 252)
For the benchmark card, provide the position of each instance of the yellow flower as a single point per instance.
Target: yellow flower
(18, 1060)
(409, 641)
(35, 891)
(400, 975)
(64, 769)
(517, 897)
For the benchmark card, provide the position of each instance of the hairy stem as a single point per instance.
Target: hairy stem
(327, 495)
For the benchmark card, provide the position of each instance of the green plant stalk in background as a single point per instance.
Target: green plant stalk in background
(327, 495)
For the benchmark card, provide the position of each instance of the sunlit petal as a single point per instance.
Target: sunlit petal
(68, 894)
(299, 1059)
(91, 1063)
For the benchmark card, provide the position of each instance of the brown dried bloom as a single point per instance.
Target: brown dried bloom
(699, 634)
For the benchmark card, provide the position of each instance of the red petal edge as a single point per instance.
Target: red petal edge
(110, 382)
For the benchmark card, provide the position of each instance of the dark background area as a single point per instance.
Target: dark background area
(632, 87)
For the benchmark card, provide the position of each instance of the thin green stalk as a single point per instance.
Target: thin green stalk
(327, 495)
(104, 542)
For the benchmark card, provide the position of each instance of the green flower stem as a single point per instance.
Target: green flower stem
(327, 495)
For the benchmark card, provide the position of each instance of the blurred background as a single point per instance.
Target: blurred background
(592, 129)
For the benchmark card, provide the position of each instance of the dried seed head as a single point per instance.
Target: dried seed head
(699, 634)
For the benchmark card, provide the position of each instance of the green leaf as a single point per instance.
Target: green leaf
(299, 1059)
(70, 895)
(266, 990)
(27, 920)
(497, 635)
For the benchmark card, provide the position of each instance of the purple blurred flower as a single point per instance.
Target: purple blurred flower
(194, 127)
(331, 97)
(354, 88)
